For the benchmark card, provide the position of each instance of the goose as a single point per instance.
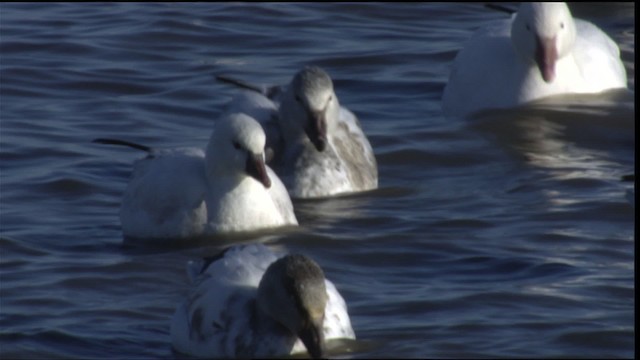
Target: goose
(539, 52)
(190, 192)
(319, 147)
(249, 302)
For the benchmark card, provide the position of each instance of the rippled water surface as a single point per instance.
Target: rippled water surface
(511, 235)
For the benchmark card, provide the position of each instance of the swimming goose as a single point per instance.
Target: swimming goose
(249, 303)
(319, 147)
(541, 51)
(188, 192)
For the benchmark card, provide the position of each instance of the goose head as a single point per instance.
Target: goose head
(542, 33)
(293, 293)
(236, 148)
(310, 106)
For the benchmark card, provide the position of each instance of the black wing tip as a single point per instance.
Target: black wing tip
(107, 141)
(239, 83)
(208, 260)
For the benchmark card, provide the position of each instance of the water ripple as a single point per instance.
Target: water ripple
(481, 234)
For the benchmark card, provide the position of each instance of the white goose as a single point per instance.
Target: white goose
(248, 303)
(319, 147)
(188, 192)
(541, 51)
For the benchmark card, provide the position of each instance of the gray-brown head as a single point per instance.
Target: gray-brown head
(310, 106)
(292, 292)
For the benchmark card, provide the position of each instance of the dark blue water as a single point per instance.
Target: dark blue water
(508, 236)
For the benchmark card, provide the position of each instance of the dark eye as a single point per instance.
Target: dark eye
(237, 145)
(299, 99)
(561, 25)
(528, 27)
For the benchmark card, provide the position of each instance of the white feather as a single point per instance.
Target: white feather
(496, 68)
(188, 192)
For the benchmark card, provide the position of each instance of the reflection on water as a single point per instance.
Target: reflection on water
(543, 131)
(326, 212)
(577, 141)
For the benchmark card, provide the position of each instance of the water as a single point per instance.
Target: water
(508, 236)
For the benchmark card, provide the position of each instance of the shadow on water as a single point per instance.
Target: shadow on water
(205, 245)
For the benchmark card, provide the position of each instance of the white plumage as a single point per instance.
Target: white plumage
(189, 192)
(541, 51)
